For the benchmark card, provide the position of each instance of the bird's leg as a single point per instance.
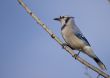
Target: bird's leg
(75, 55)
(64, 44)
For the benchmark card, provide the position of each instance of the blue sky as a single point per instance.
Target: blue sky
(27, 51)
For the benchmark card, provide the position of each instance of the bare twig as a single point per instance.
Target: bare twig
(68, 49)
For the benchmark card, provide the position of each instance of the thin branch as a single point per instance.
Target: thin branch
(68, 49)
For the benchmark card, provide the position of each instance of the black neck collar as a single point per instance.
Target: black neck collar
(66, 21)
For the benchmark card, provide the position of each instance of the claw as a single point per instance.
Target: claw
(63, 45)
(75, 55)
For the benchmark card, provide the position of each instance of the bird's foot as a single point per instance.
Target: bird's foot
(75, 55)
(64, 44)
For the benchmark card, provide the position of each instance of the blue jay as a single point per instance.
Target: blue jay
(75, 39)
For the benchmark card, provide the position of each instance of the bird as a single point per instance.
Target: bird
(75, 39)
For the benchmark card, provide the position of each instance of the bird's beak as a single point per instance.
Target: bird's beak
(58, 19)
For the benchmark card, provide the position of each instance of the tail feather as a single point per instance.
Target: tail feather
(99, 62)
(87, 50)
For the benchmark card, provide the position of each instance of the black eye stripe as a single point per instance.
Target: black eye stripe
(63, 17)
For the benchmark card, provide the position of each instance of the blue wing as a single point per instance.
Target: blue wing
(80, 36)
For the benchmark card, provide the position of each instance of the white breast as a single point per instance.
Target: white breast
(71, 39)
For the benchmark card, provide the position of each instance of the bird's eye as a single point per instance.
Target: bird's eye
(62, 17)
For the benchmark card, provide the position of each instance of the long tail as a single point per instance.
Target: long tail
(87, 50)
(99, 62)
